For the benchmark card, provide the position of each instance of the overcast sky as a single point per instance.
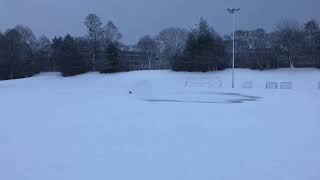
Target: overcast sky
(136, 18)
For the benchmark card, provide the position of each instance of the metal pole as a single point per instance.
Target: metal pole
(233, 11)
(233, 24)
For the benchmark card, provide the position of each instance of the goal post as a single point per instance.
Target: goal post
(272, 85)
(247, 85)
(286, 85)
(204, 82)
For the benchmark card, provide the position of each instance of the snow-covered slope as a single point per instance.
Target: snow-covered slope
(90, 127)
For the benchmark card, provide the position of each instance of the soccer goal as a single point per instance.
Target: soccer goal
(286, 85)
(247, 85)
(204, 82)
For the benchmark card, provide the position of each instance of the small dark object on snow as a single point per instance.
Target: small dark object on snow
(130, 92)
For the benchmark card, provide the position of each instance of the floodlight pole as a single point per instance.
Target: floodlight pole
(233, 24)
(233, 11)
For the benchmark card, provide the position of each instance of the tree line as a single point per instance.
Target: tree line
(200, 49)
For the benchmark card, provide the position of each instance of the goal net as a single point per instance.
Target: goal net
(205, 82)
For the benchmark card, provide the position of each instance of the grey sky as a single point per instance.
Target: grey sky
(136, 18)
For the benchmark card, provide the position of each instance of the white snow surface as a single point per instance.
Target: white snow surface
(89, 127)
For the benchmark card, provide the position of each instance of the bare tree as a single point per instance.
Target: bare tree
(289, 39)
(111, 34)
(43, 43)
(150, 46)
(259, 39)
(172, 42)
(312, 27)
(94, 28)
(311, 30)
(19, 55)
(147, 44)
(27, 36)
(242, 41)
(44, 51)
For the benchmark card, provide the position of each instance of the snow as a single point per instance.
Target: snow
(90, 127)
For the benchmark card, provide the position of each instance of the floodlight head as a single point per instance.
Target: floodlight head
(233, 10)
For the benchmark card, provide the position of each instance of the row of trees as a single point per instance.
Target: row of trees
(292, 43)
(16, 53)
(202, 49)
(22, 54)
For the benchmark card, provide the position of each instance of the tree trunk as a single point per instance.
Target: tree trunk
(54, 66)
(291, 64)
(149, 59)
(93, 61)
(291, 60)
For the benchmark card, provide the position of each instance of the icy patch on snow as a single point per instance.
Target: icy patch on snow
(203, 97)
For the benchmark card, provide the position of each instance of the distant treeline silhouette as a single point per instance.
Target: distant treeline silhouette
(200, 49)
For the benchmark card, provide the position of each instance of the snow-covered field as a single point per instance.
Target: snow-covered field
(89, 127)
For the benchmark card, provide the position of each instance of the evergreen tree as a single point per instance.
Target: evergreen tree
(317, 46)
(3, 57)
(56, 47)
(204, 50)
(111, 63)
(69, 58)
